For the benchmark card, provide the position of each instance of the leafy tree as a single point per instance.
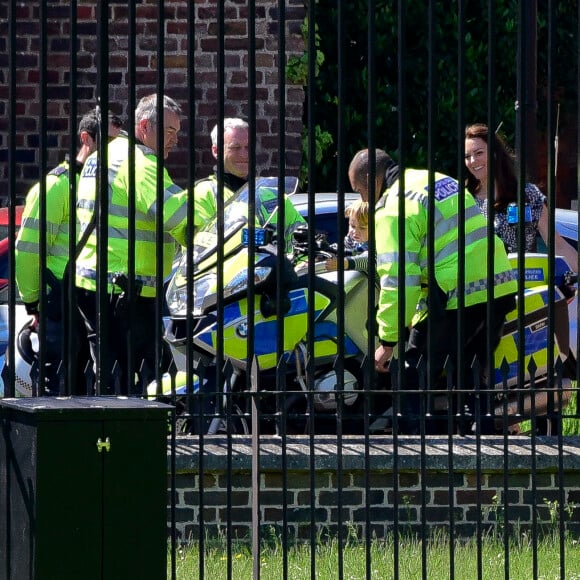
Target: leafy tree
(442, 48)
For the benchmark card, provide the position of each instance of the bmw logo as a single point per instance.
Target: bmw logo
(242, 330)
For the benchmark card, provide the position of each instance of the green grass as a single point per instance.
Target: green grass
(570, 424)
(382, 560)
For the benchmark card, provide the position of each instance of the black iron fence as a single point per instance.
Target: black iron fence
(298, 423)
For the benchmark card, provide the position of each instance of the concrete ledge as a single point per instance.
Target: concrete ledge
(516, 453)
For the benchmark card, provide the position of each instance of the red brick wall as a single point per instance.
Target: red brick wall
(180, 43)
(464, 481)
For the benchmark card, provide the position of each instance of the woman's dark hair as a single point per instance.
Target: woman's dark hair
(506, 182)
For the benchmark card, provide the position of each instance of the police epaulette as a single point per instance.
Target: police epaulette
(58, 170)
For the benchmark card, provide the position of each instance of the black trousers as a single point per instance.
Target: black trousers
(131, 341)
(443, 326)
(57, 347)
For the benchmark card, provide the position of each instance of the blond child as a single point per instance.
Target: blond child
(355, 242)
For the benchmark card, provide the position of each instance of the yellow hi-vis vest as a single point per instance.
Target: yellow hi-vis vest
(173, 212)
(205, 193)
(27, 248)
(445, 199)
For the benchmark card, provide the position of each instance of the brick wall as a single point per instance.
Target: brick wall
(180, 44)
(529, 487)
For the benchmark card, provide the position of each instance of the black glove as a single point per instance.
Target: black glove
(31, 308)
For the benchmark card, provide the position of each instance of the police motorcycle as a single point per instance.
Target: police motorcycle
(312, 392)
(315, 395)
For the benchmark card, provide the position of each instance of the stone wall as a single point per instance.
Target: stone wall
(465, 483)
(190, 32)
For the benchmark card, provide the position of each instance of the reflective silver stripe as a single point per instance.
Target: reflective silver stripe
(57, 251)
(472, 211)
(394, 257)
(30, 223)
(481, 285)
(146, 236)
(179, 216)
(171, 190)
(122, 211)
(34, 248)
(28, 247)
(387, 258)
(90, 274)
(140, 235)
(444, 225)
(394, 282)
(470, 238)
(168, 193)
(33, 224)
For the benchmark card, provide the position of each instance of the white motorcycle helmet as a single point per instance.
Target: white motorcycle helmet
(25, 354)
(325, 387)
(25, 347)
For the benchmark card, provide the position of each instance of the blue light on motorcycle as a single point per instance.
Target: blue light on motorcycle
(262, 237)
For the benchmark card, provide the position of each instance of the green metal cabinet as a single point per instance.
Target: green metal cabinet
(83, 488)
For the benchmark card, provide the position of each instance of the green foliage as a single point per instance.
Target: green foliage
(554, 511)
(495, 514)
(297, 66)
(297, 73)
(435, 102)
(322, 142)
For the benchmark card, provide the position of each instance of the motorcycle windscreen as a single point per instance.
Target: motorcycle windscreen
(236, 211)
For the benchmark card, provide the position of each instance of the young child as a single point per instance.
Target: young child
(358, 227)
(356, 240)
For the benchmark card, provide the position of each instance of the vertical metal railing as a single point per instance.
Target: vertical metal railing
(249, 386)
(9, 390)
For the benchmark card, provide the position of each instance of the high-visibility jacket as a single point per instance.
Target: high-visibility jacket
(173, 213)
(27, 248)
(445, 199)
(205, 193)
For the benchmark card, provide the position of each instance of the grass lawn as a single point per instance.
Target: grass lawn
(382, 566)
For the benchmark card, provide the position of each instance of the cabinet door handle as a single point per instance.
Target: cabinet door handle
(106, 445)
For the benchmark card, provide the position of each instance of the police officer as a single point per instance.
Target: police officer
(138, 332)
(27, 252)
(442, 299)
(236, 169)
